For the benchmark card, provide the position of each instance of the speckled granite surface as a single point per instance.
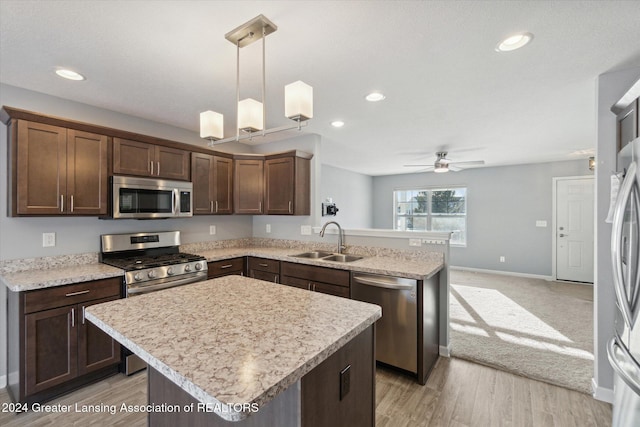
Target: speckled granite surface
(201, 338)
(37, 273)
(39, 278)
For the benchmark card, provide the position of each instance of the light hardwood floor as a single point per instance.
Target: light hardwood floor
(458, 393)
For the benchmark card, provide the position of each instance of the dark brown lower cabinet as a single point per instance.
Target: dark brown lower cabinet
(264, 269)
(54, 349)
(225, 267)
(340, 392)
(319, 279)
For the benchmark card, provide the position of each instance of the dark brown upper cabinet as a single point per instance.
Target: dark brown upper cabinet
(248, 184)
(287, 184)
(150, 160)
(212, 178)
(57, 171)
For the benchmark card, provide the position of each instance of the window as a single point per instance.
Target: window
(434, 209)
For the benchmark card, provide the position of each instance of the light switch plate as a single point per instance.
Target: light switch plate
(212, 229)
(305, 230)
(268, 228)
(540, 223)
(48, 240)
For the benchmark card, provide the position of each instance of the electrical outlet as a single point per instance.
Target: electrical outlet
(268, 228)
(48, 240)
(415, 242)
(305, 230)
(540, 223)
(212, 229)
(502, 259)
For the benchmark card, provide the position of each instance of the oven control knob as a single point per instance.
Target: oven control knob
(151, 274)
(198, 266)
(169, 271)
(137, 277)
(187, 268)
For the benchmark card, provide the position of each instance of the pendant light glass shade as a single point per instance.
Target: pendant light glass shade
(298, 101)
(211, 125)
(250, 117)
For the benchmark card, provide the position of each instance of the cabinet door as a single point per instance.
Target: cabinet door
(265, 275)
(202, 166)
(225, 267)
(96, 349)
(628, 125)
(51, 348)
(86, 173)
(326, 288)
(248, 186)
(279, 186)
(223, 185)
(41, 169)
(171, 163)
(132, 157)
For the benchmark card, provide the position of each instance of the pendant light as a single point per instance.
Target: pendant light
(251, 114)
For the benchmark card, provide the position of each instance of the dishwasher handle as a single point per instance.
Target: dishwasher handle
(382, 284)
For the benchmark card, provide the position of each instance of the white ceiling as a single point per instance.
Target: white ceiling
(445, 85)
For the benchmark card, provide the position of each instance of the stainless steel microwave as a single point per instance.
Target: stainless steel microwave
(146, 198)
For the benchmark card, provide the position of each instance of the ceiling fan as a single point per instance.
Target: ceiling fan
(442, 164)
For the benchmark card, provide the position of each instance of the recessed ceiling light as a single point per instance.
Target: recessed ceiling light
(69, 74)
(337, 123)
(514, 42)
(374, 97)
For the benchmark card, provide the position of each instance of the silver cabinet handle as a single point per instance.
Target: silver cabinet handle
(83, 307)
(71, 206)
(211, 206)
(289, 206)
(222, 267)
(263, 265)
(158, 172)
(216, 206)
(309, 286)
(72, 294)
(73, 317)
(314, 287)
(275, 279)
(259, 206)
(151, 168)
(62, 203)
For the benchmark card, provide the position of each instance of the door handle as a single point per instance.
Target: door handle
(563, 235)
(614, 347)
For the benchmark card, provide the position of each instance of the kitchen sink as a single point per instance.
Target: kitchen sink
(341, 258)
(327, 256)
(313, 254)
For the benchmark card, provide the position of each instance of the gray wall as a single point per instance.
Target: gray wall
(352, 193)
(503, 204)
(610, 87)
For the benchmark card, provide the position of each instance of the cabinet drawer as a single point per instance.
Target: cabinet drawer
(217, 268)
(296, 283)
(265, 275)
(262, 264)
(61, 296)
(316, 274)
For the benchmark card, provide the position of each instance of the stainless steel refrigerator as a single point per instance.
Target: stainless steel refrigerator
(624, 347)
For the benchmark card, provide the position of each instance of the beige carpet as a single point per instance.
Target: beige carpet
(536, 328)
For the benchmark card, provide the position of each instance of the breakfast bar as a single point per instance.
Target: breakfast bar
(240, 351)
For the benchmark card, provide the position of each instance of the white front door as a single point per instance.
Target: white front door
(574, 229)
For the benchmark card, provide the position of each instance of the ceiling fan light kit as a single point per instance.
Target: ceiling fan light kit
(251, 114)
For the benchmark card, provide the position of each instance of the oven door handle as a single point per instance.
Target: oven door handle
(138, 290)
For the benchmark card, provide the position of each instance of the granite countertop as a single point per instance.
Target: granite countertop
(40, 278)
(200, 337)
(30, 274)
(386, 265)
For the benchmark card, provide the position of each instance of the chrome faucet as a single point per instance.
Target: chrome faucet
(340, 235)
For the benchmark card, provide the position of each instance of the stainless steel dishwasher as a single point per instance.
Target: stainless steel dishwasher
(397, 330)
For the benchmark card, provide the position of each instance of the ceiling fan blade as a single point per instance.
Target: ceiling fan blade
(473, 162)
(417, 166)
(454, 168)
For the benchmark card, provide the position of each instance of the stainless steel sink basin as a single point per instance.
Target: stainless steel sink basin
(327, 256)
(341, 258)
(313, 254)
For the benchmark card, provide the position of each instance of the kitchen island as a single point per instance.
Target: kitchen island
(250, 352)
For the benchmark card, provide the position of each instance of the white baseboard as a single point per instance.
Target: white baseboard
(500, 272)
(601, 393)
(445, 351)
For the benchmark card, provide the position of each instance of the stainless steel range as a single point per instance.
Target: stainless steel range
(151, 261)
